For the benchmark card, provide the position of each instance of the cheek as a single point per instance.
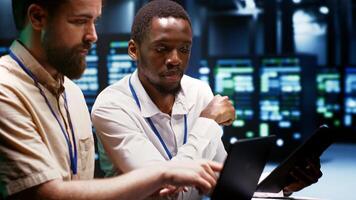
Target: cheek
(154, 61)
(71, 36)
(185, 58)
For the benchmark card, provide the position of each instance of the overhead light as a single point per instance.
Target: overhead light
(250, 4)
(305, 24)
(324, 10)
(297, 1)
(280, 142)
(247, 7)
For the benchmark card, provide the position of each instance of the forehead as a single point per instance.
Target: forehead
(82, 7)
(170, 28)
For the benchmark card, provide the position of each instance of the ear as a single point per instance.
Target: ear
(133, 50)
(37, 16)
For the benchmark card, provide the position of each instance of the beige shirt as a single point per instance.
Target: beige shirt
(33, 149)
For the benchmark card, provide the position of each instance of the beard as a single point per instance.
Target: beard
(67, 61)
(164, 89)
(168, 89)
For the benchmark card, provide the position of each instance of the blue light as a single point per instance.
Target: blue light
(348, 120)
(233, 140)
(285, 124)
(324, 10)
(204, 70)
(297, 136)
(280, 142)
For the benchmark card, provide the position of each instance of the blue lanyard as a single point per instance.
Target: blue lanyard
(154, 129)
(73, 157)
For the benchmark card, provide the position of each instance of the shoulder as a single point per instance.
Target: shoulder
(6, 67)
(69, 84)
(193, 86)
(73, 90)
(115, 92)
(6, 62)
(196, 91)
(115, 95)
(12, 76)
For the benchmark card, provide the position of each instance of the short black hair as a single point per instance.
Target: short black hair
(155, 8)
(20, 7)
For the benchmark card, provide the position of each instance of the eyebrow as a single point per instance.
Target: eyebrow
(167, 39)
(87, 16)
(82, 15)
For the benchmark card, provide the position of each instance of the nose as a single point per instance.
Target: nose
(90, 34)
(173, 58)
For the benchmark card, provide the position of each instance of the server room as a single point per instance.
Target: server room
(287, 66)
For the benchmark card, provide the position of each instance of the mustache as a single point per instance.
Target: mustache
(87, 46)
(84, 46)
(173, 71)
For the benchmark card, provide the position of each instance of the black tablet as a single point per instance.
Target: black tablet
(242, 169)
(313, 147)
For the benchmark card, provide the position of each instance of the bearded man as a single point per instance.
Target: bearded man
(46, 141)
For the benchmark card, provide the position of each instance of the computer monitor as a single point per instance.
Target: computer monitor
(286, 96)
(235, 78)
(118, 62)
(280, 95)
(350, 100)
(204, 71)
(89, 82)
(328, 103)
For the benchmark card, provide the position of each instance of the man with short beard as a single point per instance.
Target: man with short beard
(46, 141)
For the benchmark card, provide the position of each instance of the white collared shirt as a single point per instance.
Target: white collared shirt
(129, 140)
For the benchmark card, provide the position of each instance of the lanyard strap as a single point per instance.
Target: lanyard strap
(154, 129)
(72, 156)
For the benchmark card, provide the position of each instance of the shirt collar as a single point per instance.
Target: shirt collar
(44, 78)
(149, 109)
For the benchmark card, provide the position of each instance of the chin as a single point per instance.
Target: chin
(173, 89)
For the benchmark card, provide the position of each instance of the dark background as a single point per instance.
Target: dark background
(313, 40)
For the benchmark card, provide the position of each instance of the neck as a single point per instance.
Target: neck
(164, 101)
(34, 46)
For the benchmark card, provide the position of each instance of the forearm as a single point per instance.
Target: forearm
(203, 141)
(137, 184)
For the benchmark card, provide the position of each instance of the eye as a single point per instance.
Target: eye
(96, 21)
(161, 49)
(79, 21)
(185, 49)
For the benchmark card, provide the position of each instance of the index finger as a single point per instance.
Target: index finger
(215, 166)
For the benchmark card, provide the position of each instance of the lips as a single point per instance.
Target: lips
(172, 76)
(84, 49)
